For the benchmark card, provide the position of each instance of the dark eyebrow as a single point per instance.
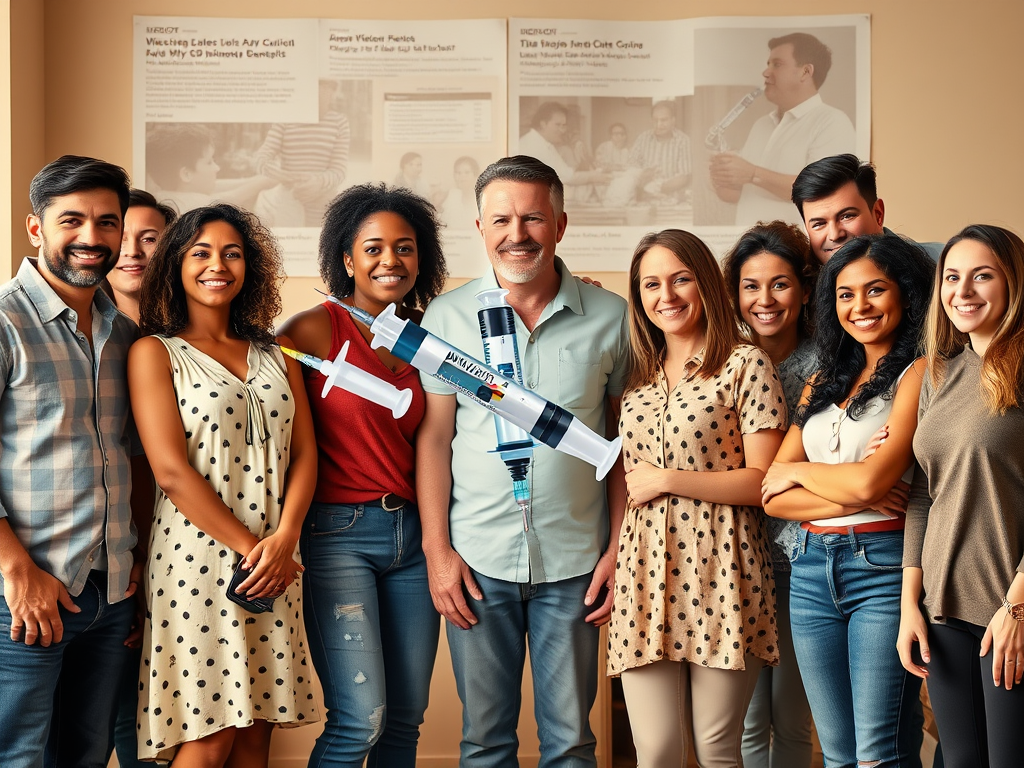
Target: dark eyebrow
(381, 239)
(82, 215)
(674, 274)
(975, 269)
(207, 245)
(868, 284)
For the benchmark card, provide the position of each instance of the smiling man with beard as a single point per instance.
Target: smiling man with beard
(504, 585)
(66, 533)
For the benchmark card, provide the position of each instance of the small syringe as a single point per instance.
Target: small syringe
(344, 375)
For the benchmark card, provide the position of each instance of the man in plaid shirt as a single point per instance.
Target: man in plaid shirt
(66, 534)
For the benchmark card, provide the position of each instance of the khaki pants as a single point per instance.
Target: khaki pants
(666, 698)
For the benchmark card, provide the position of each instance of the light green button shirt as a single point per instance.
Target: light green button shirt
(575, 357)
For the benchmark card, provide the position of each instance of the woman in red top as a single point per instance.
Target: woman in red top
(371, 623)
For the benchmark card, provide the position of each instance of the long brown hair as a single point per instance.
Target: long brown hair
(647, 341)
(1002, 365)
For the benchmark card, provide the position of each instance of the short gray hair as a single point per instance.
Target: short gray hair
(526, 170)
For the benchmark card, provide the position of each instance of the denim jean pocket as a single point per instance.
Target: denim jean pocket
(885, 555)
(332, 519)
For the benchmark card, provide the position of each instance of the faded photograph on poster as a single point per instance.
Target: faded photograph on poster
(286, 173)
(769, 98)
(624, 160)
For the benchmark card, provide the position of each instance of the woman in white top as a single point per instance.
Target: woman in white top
(872, 298)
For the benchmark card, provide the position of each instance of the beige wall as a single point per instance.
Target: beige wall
(946, 79)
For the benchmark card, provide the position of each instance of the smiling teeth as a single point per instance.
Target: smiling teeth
(389, 278)
(865, 323)
(967, 309)
(765, 317)
(214, 283)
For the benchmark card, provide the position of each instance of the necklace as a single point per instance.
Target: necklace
(833, 443)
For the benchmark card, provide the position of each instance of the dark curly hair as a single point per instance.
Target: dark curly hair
(841, 358)
(778, 238)
(344, 218)
(162, 303)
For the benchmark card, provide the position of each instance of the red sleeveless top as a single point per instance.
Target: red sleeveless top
(364, 451)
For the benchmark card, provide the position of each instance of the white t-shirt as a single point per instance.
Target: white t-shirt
(809, 131)
(832, 437)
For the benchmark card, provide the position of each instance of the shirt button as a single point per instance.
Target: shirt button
(531, 383)
(90, 558)
(531, 339)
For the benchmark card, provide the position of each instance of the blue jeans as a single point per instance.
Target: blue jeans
(57, 704)
(845, 606)
(372, 631)
(488, 661)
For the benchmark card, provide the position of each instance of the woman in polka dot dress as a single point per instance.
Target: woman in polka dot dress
(226, 426)
(693, 620)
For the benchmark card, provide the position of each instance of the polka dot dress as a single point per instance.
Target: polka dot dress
(209, 664)
(693, 580)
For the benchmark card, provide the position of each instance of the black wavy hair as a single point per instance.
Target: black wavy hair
(344, 218)
(841, 358)
(162, 304)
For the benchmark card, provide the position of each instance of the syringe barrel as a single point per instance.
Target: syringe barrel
(501, 352)
(546, 421)
(341, 373)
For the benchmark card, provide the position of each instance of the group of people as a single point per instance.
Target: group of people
(818, 503)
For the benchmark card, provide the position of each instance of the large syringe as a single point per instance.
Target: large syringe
(501, 352)
(549, 423)
(342, 374)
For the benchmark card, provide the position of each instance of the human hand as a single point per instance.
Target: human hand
(447, 572)
(591, 281)
(876, 441)
(134, 639)
(603, 580)
(913, 629)
(779, 477)
(272, 567)
(730, 170)
(33, 597)
(1006, 640)
(644, 482)
(894, 503)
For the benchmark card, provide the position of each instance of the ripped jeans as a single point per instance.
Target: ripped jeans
(372, 631)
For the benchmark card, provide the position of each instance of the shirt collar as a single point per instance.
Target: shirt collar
(799, 110)
(696, 360)
(48, 304)
(568, 295)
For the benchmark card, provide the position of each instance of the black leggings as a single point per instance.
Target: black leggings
(979, 725)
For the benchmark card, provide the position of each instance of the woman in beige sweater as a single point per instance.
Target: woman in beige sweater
(963, 576)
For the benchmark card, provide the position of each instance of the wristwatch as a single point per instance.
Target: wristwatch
(1016, 610)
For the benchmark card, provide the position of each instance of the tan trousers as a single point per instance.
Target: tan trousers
(666, 698)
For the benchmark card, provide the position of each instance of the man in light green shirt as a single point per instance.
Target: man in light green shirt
(503, 587)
